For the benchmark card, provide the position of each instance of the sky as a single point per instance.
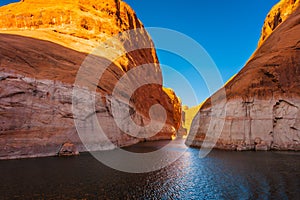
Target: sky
(4, 2)
(227, 30)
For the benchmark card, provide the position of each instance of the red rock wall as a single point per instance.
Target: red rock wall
(42, 46)
(262, 101)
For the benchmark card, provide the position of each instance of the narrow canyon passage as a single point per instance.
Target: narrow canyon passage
(88, 111)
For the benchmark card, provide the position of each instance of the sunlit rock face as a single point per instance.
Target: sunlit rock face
(261, 109)
(188, 116)
(278, 14)
(77, 24)
(176, 103)
(42, 46)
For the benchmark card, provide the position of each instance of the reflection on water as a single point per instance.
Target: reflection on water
(221, 175)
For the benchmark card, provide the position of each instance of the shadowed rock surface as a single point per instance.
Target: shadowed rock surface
(37, 74)
(262, 101)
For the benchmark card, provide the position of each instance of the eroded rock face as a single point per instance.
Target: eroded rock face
(76, 24)
(176, 102)
(262, 100)
(278, 14)
(37, 76)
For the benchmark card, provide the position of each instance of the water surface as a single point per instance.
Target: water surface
(221, 175)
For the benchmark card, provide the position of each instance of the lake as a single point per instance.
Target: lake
(220, 175)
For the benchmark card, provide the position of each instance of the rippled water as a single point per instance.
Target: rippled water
(221, 175)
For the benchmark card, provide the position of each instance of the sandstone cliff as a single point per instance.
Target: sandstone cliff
(278, 14)
(43, 44)
(261, 107)
(188, 116)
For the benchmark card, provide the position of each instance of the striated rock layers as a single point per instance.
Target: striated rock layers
(42, 46)
(261, 108)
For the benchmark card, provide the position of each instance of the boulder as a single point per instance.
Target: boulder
(68, 149)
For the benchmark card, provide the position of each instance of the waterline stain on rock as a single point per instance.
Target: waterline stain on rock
(263, 99)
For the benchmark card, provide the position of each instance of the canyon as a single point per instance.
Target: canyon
(43, 46)
(259, 107)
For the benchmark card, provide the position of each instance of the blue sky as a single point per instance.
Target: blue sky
(228, 31)
(4, 2)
